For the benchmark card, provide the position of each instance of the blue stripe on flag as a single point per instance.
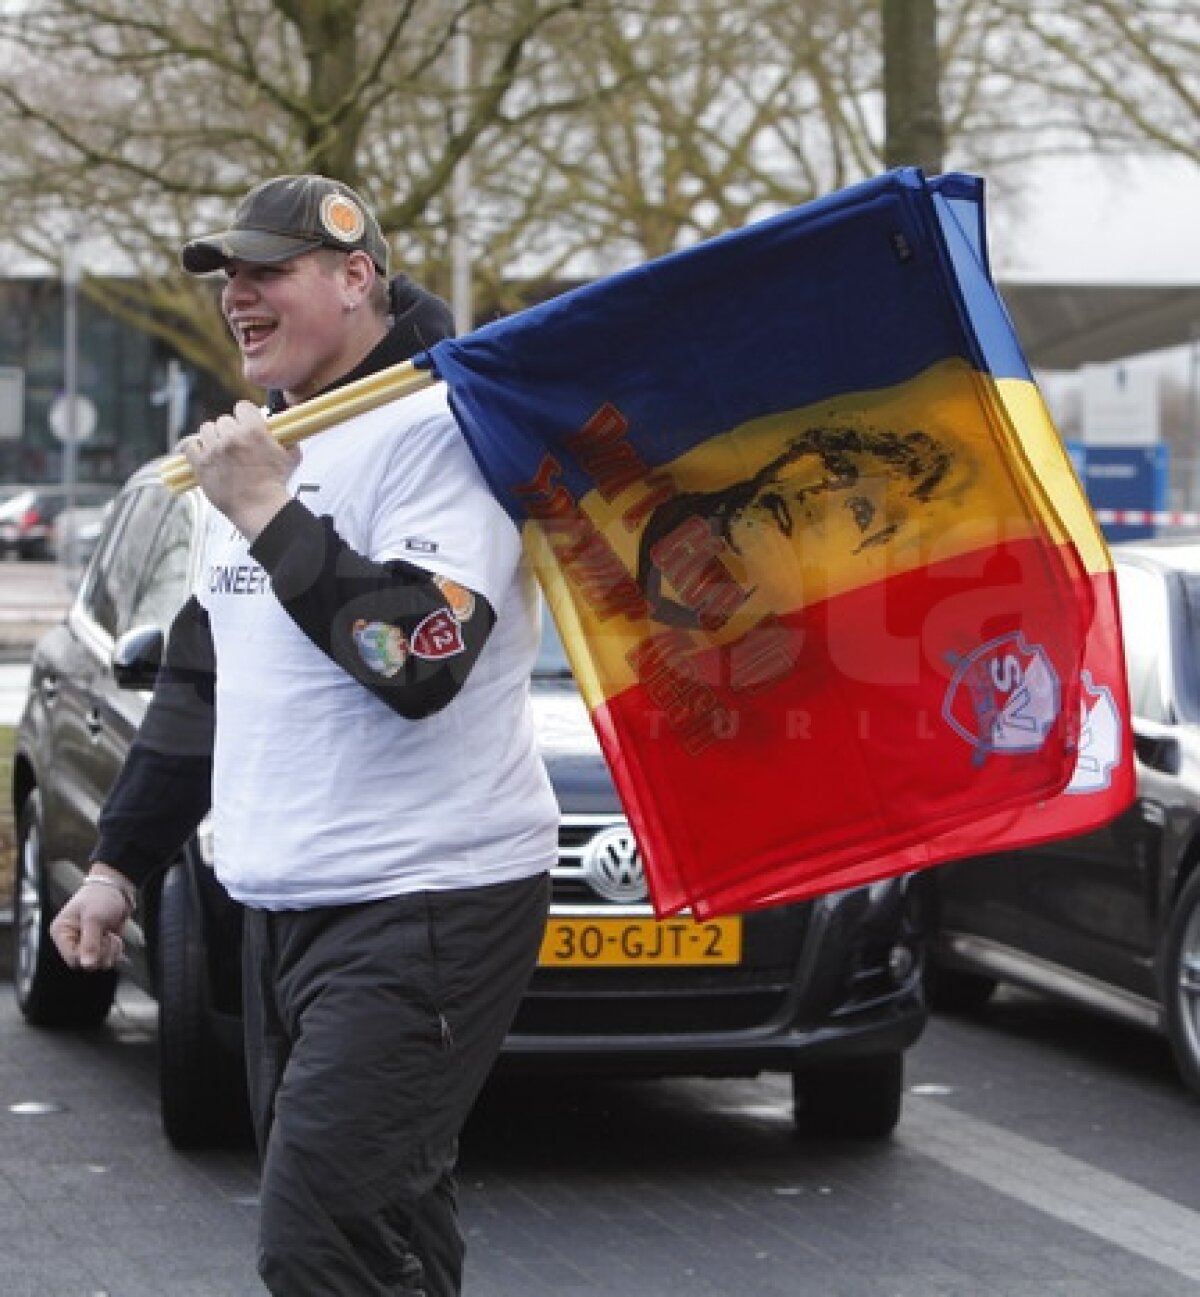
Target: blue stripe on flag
(852, 292)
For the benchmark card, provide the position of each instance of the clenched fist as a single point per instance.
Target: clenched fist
(87, 930)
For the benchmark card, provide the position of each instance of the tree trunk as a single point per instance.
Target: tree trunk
(916, 133)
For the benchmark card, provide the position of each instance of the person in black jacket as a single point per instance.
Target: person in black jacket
(347, 690)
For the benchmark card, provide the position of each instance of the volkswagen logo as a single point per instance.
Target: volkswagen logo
(613, 868)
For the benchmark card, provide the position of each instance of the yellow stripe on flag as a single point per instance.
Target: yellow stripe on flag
(813, 503)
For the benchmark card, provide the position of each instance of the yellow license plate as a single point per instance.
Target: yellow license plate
(661, 943)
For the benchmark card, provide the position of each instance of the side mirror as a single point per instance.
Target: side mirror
(136, 657)
(1157, 746)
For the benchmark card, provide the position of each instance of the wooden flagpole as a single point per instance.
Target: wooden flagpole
(322, 412)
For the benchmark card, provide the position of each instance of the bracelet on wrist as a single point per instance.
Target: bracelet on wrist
(127, 893)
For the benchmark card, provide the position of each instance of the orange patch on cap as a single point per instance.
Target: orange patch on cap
(342, 218)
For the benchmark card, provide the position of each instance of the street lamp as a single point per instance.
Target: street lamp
(72, 416)
(460, 249)
(70, 382)
(1194, 407)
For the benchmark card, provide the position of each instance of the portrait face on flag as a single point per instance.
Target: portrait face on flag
(823, 569)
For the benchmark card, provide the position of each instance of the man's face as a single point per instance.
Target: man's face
(291, 321)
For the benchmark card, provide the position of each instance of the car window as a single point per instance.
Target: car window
(552, 660)
(96, 592)
(164, 583)
(1187, 662)
(1146, 630)
(115, 577)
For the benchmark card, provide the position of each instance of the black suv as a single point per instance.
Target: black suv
(1108, 920)
(828, 990)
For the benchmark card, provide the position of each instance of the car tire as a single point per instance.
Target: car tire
(858, 1099)
(953, 991)
(49, 994)
(202, 1089)
(1181, 982)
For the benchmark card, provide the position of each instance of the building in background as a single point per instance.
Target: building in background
(126, 375)
(1120, 365)
(144, 397)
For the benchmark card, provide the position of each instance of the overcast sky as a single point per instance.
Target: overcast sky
(1087, 221)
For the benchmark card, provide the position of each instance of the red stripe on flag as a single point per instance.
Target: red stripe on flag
(877, 739)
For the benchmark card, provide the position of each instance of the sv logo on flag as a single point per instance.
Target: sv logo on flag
(1004, 697)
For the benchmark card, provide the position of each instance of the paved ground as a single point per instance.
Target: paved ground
(1036, 1158)
(93, 1202)
(1032, 1161)
(33, 596)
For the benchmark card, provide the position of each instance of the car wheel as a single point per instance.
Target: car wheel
(953, 991)
(202, 1091)
(49, 993)
(859, 1099)
(1181, 982)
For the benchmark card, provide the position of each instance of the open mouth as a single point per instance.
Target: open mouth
(252, 333)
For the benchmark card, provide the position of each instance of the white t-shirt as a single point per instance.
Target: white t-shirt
(322, 795)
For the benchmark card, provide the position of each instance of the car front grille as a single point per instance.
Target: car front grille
(577, 837)
(645, 1000)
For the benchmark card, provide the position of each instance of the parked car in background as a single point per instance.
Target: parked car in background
(828, 991)
(15, 498)
(77, 532)
(29, 518)
(1108, 920)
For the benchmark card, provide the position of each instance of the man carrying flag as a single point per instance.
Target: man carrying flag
(349, 690)
(830, 586)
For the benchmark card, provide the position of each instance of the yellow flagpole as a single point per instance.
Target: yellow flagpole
(321, 412)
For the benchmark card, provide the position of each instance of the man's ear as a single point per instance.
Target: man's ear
(358, 275)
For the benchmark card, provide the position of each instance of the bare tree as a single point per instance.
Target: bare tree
(599, 132)
(140, 121)
(1110, 76)
(701, 116)
(697, 118)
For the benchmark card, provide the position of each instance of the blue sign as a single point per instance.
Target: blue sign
(1122, 480)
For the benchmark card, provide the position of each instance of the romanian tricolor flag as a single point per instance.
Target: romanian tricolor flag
(829, 585)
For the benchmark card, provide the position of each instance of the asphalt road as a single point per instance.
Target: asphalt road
(1041, 1154)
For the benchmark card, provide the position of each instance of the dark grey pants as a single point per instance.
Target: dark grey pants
(370, 1030)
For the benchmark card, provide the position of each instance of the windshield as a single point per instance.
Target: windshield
(1189, 675)
(552, 657)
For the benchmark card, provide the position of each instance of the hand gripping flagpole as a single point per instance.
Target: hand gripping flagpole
(311, 417)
